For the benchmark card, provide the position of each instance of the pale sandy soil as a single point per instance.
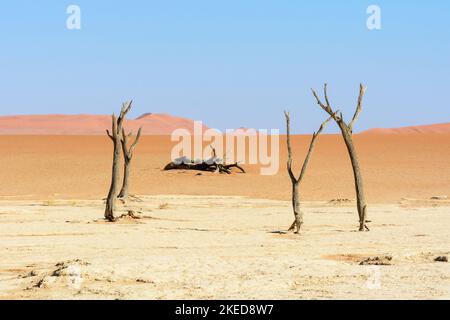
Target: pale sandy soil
(221, 247)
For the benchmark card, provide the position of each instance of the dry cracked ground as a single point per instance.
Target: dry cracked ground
(217, 247)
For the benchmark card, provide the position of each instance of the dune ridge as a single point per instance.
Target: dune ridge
(85, 124)
(151, 123)
(423, 129)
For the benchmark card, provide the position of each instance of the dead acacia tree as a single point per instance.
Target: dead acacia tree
(116, 138)
(187, 164)
(127, 156)
(298, 214)
(213, 164)
(347, 134)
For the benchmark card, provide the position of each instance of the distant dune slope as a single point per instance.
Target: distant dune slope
(152, 124)
(433, 128)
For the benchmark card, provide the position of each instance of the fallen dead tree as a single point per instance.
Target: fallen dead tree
(213, 164)
(203, 166)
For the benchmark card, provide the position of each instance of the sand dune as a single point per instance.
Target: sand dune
(394, 167)
(152, 124)
(83, 124)
(432, 128)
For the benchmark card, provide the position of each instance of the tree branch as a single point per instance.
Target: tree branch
(327, 108)
(136, 140)
(319, 102)
(126, 106)
(124, 140)
(288, 142)
(311, 146)
(325, 93)
(236, 165)
(213, 151)
(113, 134)
(109, 135)
(362, 91)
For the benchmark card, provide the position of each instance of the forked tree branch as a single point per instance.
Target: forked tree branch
(136, 140)
(128, 152)
(319, 102)
(117, 123)
(311, 147)
(310, 150)
(337, 116)
(113, 134)
(327, 108)
(126, 106)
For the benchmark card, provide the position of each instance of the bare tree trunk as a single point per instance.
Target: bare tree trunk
(128, 156)
(115, 135)
(298, 214)
(360, 199)
(347, 133)
(111, 199)
(123, 194)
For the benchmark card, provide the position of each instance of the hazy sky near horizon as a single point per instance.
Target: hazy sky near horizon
(229, 63)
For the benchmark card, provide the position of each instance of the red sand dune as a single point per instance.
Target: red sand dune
(159, 124)
(432, 128)
(151, 123)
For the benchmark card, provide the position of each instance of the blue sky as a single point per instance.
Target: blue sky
(228, 63)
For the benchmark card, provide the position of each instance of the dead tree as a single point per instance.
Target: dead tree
(298, 214)
(347, 133)
(116, 137)
(213, 164)
(127, 156)
(181, 164)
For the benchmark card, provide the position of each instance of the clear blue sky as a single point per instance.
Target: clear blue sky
(229, 63)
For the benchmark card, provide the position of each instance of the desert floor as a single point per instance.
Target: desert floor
(222, 236)
(189, 247)
(79, 167)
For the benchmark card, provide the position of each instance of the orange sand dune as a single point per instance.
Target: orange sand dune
(432, 128)
(71, 167)
(160, 124)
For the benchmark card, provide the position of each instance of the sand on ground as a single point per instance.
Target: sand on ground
(216, 247)
(222, 236)
(79, 167)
